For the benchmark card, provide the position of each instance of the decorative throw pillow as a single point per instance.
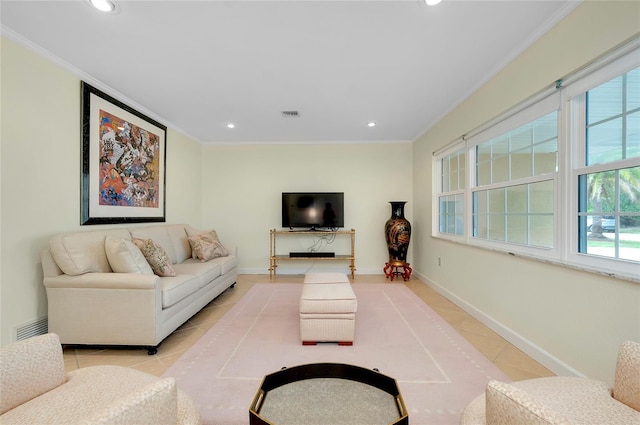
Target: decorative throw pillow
(125, 257)
(197, 233)
(207, 246)
(156, 257)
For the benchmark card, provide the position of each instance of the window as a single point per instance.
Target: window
(451, 198)
(609, 179)
(557, 178)
(613, 120)
(513, 197)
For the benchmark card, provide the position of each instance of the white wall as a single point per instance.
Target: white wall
(572, 321)
(40, 176)
(243, 186)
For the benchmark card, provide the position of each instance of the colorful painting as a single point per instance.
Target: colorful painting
(123, 162)
(129, 164)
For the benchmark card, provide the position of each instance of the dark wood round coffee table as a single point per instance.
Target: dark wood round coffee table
(328, 393)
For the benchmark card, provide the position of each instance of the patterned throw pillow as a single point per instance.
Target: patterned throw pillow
(207, 246)
(156, 257)
(197, 234)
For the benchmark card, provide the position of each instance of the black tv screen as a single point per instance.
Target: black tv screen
(315, 210)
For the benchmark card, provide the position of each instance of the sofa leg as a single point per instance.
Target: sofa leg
(152, 350)
(233, 285)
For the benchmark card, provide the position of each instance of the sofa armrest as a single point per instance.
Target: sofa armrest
(103, 281)
(156, 403)
(28, 369)
(95, 308)
(626, 386)
(508, 405)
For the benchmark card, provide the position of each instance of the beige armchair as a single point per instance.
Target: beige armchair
(563, 400)
(34, 389)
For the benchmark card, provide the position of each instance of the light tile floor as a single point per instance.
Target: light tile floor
(512, 361)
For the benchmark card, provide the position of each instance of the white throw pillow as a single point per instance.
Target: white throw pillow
(125, 257)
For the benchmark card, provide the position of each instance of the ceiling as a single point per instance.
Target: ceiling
(197, 65)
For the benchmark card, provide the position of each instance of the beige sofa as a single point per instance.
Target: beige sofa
(34, 389)
(89, 303)
(563, 400)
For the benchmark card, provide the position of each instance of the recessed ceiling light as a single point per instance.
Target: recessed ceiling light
(231, 125)
(371, 124)
(103, 5)
(432, 2)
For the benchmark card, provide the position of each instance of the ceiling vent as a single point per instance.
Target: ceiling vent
(290, 114)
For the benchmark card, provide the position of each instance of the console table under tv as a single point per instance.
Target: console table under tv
(274, 257)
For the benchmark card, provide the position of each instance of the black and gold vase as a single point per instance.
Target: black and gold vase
(398, 234)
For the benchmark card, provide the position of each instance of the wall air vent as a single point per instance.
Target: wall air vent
(290, 114)
(35, 327)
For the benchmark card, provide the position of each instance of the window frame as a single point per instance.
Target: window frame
(575, 114)
(571, 155)
(439, 193)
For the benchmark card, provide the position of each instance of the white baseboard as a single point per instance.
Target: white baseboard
(534, 351)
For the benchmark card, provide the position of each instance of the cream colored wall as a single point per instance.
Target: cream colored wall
(243, 186)
(573, 321)
(40, 176)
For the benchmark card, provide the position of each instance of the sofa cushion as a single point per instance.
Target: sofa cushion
(207, 246)
(172, 237)
(28, 369)
(226, 264)
(178, 287)
(156, 256)
(203, 272)
(626, 386)
(83, 252)
(125, 257)
(179, 242)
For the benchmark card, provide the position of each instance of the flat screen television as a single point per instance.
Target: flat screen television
(314, 210)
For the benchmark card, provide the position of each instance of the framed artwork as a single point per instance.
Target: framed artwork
(123, 162)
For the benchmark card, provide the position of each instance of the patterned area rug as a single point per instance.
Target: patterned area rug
(437, 370)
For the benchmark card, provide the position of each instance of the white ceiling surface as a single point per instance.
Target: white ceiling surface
(196, 65)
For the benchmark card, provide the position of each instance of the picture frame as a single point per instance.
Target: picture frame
(123, 162)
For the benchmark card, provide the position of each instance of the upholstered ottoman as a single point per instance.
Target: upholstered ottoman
(327, 313)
